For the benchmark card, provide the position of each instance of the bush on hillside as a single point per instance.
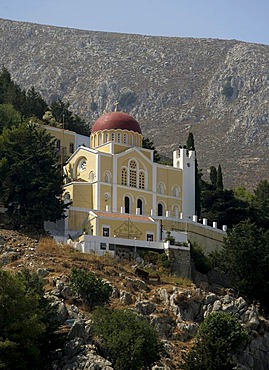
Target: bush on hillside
(94, 291)
(218, 338)
(127, 339)
(201, 262)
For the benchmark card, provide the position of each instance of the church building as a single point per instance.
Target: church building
(120, 197)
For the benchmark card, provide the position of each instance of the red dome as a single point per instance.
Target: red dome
(116, 120)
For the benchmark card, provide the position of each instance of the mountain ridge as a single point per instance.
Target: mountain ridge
(217, 89)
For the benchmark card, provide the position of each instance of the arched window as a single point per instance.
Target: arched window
(176, 211)
(99, 139)
(112, 136)
(124, 176)
(141, 180)
(131, 140)
(140, 206)
(107, 177)
(94, 141)
(161, 188)
(175, 191)
(127, 205)
(118, 137)
(160, 209)
(106, 137)
(125, 138)
(132, 174)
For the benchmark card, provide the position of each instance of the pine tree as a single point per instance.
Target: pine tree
(213, 176)
(148, 144)
(31, 180)
(219, 183)
(190, 142)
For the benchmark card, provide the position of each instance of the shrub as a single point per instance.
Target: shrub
(201, 262)
(94, 291)
(227, 89)
(161, 260)
(127, 339)
(127, 99)
(218, 338)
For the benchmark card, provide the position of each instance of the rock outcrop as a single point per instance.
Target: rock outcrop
(175, 311)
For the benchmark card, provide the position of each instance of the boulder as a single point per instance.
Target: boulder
(125, 298)
(145, 307)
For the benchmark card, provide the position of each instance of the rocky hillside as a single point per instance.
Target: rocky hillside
(217, 89)
(173, 308)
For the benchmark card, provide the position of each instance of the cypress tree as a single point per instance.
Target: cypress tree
(190, 142)
(213, 176)
(219, 179)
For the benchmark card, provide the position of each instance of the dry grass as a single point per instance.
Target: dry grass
(48, 246)
(176, 280)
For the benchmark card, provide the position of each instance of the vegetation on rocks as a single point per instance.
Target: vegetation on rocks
(245, 257)
(94, 291)
(26, 323)
(218, 338)
(129, 340)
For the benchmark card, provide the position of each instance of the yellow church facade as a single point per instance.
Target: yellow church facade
(118, 191)
(123, 201)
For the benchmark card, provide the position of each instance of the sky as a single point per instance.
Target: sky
(244, 20)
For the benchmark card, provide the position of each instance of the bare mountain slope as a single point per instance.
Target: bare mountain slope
(217, 89)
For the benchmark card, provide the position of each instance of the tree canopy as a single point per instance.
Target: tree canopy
(31, 104)
(67, 119)
(129, 340)
(31, 179)
(27, 103)
(94, 291)
(218, 338)
(25, 322)
(245, 257)
(148, 144)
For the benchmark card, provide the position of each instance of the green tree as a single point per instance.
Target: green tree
(190, 142)
(201, 262)
(219, 183)
(243, 194)
(148, 144)
(65, 117)
(94, 291)
(227, 89)
(246, 258)
(222, 206)
(28, 104)
(260, 203)
(8, 116)
(218, 338)
(10, 93)
(261, 195)
(127, 339)
(31, 180)
(25, 322)
(35, 105)
(213, 176)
